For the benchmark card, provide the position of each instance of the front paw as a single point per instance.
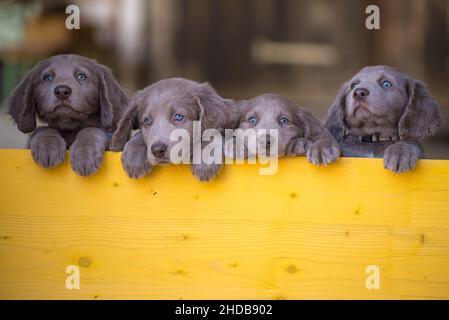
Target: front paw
(85, 160)
(48, 151)
(205, 172)
(296, 147)
(134, 162)
(323, 152)
(401, 157)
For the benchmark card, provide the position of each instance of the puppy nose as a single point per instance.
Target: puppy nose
(268, 140)
(360, 93)
(62, 92)
(158, 149)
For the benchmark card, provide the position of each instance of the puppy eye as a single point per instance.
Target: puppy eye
(353, 85)
(386, 84)
(283, 120)
(48, 77)
(179, 117)
(252, 120)
(81, 76)
(148, 121)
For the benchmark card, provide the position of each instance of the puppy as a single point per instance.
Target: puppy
(81, 103)
(160, 109)
(382, 112)
(298, 132)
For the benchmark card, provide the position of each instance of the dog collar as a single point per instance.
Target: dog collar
(376, 138)
(372, 137)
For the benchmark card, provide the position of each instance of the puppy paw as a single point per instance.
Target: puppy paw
(48, 151)
(323, 152)
(134, 161)
(401, 157)
(296, 147)
(205, 172)
(85, 160)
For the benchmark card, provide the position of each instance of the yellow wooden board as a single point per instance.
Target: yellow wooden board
(307, 232)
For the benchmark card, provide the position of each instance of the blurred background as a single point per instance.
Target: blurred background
(303, 49)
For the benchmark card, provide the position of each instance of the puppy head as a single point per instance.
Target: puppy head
(271, 111)
(168, 105)
(66, 91)
(381, 100)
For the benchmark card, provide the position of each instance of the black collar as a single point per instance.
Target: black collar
(376, 138)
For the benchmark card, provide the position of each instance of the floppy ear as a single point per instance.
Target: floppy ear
(124, 126)
(311, 127)
(214, 112)
(112, 99)
(335, 122)
(422, 116)
(22, 106)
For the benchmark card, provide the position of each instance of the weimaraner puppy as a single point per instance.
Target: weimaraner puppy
(157, 111)
(81, 103)
(382, 112)
(298, 132)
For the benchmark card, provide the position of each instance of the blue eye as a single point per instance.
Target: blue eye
(179, 117)
(386, 84)
(353, 85)
(283, 120)
(48, 77)
(252, 120)
(148, 121)
(81, 76)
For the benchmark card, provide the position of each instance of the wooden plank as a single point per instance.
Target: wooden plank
(306, 232)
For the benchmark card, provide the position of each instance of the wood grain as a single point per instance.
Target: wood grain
(307, 232)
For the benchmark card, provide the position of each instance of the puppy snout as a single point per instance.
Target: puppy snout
(360, 93)
(159, 149)
(266, 141)
(62, 92)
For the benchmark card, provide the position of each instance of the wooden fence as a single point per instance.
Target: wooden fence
(307, 232)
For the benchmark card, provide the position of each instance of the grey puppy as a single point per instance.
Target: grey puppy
(81, 103)
(298, 132)
(159, 109)
(382, 112)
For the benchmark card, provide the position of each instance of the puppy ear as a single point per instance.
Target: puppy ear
(311, 127)
(335, 122)
(112, 99)
(22, 105)
(125, 125)
(214, 111)
(422, 116)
